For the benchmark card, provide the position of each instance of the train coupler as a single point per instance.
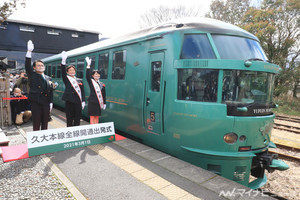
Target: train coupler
(279, 165)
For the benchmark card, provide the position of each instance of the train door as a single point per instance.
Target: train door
(154, 93)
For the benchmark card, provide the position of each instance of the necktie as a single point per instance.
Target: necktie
(44, 81)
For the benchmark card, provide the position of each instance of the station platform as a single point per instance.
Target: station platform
(126, 169)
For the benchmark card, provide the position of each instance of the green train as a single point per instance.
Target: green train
(199, 90)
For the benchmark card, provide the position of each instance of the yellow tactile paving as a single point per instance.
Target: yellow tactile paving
(157, 183)
(188, 197)
(149, 178)
(173, 192)
(143, 175)
(131, 168)
(110, 155)
(57, 124)
(122, 162)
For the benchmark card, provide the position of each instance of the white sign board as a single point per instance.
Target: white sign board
(52, 140)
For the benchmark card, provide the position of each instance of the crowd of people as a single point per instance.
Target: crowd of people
(32, 93)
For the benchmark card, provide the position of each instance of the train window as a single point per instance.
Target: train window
(80, 67)
(53, 74)
(58, 71)
(247, 87)
(72, 62)
(198, 84)
(156, 74)
(197, 46)
(103, 65)
(233, 47)
(119, 65)
(49, 70)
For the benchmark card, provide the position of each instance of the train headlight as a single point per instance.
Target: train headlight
(230, 138)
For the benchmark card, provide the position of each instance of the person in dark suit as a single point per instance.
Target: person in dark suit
(40, 92)
(74, 95)
(20, 108)
(97, 98)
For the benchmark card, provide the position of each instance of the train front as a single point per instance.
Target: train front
(248, 97)
(226, 84)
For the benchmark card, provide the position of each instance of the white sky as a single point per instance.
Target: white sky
(111, 18)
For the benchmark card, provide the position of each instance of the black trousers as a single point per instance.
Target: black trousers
(73, 113)
(40, 116)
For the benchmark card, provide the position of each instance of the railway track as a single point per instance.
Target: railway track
(286, 118)
(288, 128)
(291, 127)
(285, 155)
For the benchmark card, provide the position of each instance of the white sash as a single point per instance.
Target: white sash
(98, 93)
(75, 85)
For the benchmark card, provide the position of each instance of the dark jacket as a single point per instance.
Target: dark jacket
(23, 84)
(19, 105)
(70, 94)
(93, 97)
(41, 90)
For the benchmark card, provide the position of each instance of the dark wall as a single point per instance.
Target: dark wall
(12, 39)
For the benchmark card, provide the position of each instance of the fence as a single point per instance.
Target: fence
(5, 113)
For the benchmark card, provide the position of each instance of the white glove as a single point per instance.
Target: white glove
(30, 48)
(83, 105)
(51, 106)
(104, 107)
(64, 57)
(88, 62)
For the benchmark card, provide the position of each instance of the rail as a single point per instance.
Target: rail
(285, 155)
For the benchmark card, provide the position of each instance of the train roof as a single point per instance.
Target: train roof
(202, 24)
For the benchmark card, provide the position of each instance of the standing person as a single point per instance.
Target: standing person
(40, 92)
(23, 83)
(74, 95)
(97, 98)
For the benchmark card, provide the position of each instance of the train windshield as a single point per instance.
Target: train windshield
(238, 48)
(198, 84)
(247, 87)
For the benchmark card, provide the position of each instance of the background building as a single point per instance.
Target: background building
(47, 39)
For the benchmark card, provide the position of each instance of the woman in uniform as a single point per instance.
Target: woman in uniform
(97, 98)
(74, 93)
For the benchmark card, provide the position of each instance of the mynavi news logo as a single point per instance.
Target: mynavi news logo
(246, 193)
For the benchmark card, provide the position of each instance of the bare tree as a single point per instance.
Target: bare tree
(8, 7)
(230, 11)
(163, 14)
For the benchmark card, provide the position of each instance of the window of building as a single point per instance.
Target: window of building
(103, 65)
(80, 67)
(27, 29)
(75, 35)
(197, 46)
(198, 84)
(3, 25)
(119, 65)
(53, 32)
